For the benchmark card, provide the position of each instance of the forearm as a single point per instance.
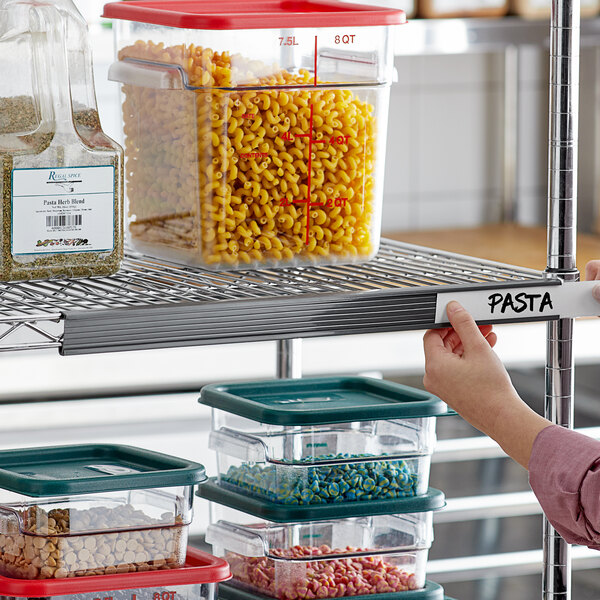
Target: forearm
(462, 369)
(515, 428)
(564, 473)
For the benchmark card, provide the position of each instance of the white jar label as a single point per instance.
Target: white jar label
(66, 209)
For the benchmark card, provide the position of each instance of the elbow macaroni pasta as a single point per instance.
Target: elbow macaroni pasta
(211, 181)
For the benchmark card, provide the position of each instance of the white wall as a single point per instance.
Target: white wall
(444, 161)
(443, 166)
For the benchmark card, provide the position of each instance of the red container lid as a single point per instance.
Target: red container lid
(199, 568)
(262, 14)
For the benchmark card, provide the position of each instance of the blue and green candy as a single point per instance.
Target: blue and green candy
(327, 484)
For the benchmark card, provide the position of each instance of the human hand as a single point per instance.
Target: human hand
(463, 370)
(592, 272)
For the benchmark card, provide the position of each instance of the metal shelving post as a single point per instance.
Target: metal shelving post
(289, 359)
(562, 203)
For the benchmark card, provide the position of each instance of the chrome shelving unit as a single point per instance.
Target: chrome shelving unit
(562, 230)
(156, 304)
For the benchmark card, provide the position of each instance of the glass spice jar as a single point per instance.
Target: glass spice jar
(62, 177)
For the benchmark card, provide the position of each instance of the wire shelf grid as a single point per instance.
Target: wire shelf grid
(145, 281)
(153, 303)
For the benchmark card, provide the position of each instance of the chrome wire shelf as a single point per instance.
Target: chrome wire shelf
(157, 304)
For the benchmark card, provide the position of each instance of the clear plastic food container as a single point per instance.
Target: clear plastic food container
(198, 579)
(325, 440)
(254, 133)
(430, 591)
(75, 511)
(325, 479)
(323, 559)
(62, 177)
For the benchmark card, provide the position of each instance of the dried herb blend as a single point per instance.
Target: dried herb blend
(73, 201)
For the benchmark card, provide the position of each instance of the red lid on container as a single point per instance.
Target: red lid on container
(199, 568)
(262, 14)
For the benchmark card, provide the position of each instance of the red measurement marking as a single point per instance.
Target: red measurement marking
(310, 125)
(315, 61)
(345, 39)
(288, 41)
(288, 202)
(309, 204)
(248, 155)
(339, 139)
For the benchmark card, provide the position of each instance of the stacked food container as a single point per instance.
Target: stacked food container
(100, 520)
(322, 488)
(254, 133)
(196, 580)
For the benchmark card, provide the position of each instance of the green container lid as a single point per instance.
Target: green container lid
(92, 468)
(323, 400)
(431, 591)
(285, 513)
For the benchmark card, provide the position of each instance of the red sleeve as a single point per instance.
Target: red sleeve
(564, 474)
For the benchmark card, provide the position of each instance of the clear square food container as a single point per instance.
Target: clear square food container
(198, 579)
(255, 132)
(333, 558)
(430, 591)
(323, 440)
(91, 510)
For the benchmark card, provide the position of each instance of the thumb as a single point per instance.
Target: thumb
(465, 326)
(596, 292)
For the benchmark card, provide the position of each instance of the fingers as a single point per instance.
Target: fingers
(592, 270)
(485, 329)
(435, 355)
(592, 273)
(492, 338)
(453, 342)
(438, 343)
(465, 327)
(433, 341)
